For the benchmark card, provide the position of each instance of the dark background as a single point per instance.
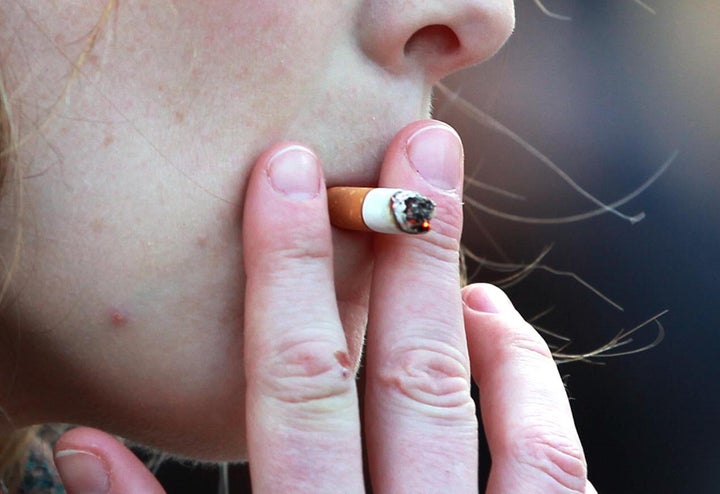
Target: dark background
(609, 97)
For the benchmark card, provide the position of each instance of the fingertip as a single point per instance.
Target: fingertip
(484, 297)
(285, 206)
(82, 471)
(89, 460)
(294, 172)
(426, 156)
(436, 153)
(82, 438)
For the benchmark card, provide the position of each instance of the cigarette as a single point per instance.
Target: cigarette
(380, 210)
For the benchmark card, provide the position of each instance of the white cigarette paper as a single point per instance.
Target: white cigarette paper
(380, 210)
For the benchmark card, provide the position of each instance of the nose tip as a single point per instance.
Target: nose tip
(433, 36)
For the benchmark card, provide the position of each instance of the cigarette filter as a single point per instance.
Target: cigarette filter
(380, 210)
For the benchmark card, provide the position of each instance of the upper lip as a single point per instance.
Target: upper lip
(360, 171)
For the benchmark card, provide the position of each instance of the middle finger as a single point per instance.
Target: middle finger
(418, 378)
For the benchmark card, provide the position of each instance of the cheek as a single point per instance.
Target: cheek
(265, 37)
(140, 315)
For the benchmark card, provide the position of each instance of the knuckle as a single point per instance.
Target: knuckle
(553, 459)
(443, 241)
(308, 373)
(284, 267)
(436, 378)
(527, 342)
(305, 240)
(441, 248)
(298, 252)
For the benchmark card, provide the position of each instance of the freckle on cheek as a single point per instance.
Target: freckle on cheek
(202, 242)
(344, 360)
(97, 225)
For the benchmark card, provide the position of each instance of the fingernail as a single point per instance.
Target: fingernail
(82, 472)
(487, 298)
(295, 173)
(436, 153)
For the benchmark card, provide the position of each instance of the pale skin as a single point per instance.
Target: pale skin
(181, 285)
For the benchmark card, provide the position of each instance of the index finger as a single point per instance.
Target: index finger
(302, 411)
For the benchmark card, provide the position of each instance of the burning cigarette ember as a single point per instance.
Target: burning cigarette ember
(380, 210)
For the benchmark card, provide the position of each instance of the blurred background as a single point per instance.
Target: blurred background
(609, 96)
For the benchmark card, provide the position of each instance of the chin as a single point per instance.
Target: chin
(212, 437)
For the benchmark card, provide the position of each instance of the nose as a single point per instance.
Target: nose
(436, 37)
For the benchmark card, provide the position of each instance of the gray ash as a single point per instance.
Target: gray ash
(413, 211)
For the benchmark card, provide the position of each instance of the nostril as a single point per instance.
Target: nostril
(432, 40)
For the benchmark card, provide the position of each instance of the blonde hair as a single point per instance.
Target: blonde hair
(14, 449)
(14, 445)
(5, 132)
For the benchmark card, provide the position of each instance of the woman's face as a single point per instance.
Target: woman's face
(138, 122)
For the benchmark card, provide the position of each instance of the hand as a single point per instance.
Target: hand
(425, 337)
